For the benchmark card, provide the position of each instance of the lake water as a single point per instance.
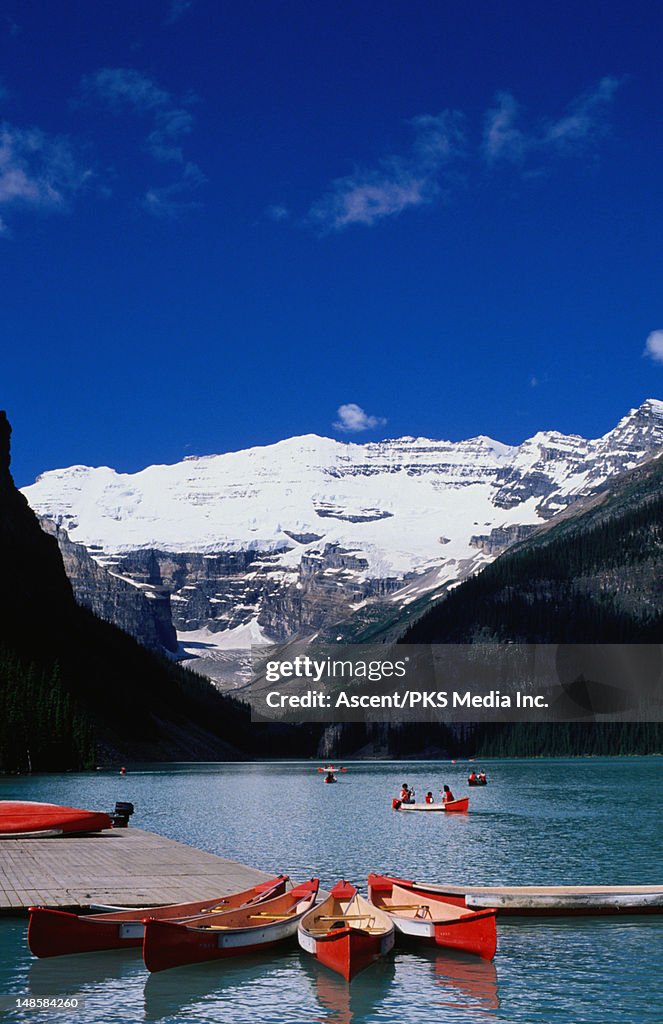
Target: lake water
(582, 821)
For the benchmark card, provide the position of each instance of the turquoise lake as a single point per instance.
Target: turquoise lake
(580, 821)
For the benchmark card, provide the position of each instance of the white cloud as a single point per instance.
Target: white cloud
(171, 200)
(177, 9)
(125, 88)
(352, 419)
(122, 87)
(587, 117)
(416, 178)
(502, 139)
(398, 182)
(581, 127)
(654, 346)
(169, 128)
(278, 212)
(37, 171)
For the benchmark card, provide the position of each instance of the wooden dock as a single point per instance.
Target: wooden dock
(127, 867)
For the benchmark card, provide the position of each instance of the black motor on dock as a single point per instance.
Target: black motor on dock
(122, 813)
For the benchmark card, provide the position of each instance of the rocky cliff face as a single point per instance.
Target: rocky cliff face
(289, 539)
(501, 538)
(140, 609)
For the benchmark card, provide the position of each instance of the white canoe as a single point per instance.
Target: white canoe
(556, 900)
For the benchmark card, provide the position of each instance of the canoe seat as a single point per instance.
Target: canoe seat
(345, 917)
(270, 917)
(404, 906)
(327, 931)
(416, 909)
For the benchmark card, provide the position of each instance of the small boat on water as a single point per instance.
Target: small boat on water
(460, 805)
(554, 900)
(477, 782)
(56, 932)
(27, 819)
(330, 768)
(173, 944)
(346, 932)
(432, 919)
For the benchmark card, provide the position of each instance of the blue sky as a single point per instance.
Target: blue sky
(223, 223)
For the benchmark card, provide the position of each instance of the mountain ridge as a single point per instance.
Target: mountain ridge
(286, 539)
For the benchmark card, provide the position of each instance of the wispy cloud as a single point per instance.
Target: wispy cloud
(170, 127)
(177, 9)
(585, 123)
(38, 171)
(353, 420)
(398, 182)
(440, 155)
(654, 346)
(278, 212)
(125, 87)
(13, 28)
(122, 89)
(502, 139)
(171, 200)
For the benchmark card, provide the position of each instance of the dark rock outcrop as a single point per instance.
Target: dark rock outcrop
(34, 584)
(140, 609)
(72, 677)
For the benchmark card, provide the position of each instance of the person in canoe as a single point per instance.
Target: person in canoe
(447, 795)
(407, 794)
(429, 797)
(472, 776)
(482, 778)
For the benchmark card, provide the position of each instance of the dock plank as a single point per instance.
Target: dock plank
(130, 867)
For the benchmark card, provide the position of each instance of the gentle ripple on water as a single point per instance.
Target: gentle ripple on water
(555, 822)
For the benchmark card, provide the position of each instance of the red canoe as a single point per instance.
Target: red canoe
(461, 805)
(23, 819)
(434, 918)
(345, 932)
(55, 932)
(246, 930)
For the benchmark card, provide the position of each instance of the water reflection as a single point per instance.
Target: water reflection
(340, 1002)
(233, 982)
(474, 981)
(83, 971)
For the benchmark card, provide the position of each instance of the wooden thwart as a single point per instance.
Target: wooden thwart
(271, 917)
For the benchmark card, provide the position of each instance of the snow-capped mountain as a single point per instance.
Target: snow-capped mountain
(283, 539)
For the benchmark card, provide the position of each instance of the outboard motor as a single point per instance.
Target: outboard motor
(122, 813)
